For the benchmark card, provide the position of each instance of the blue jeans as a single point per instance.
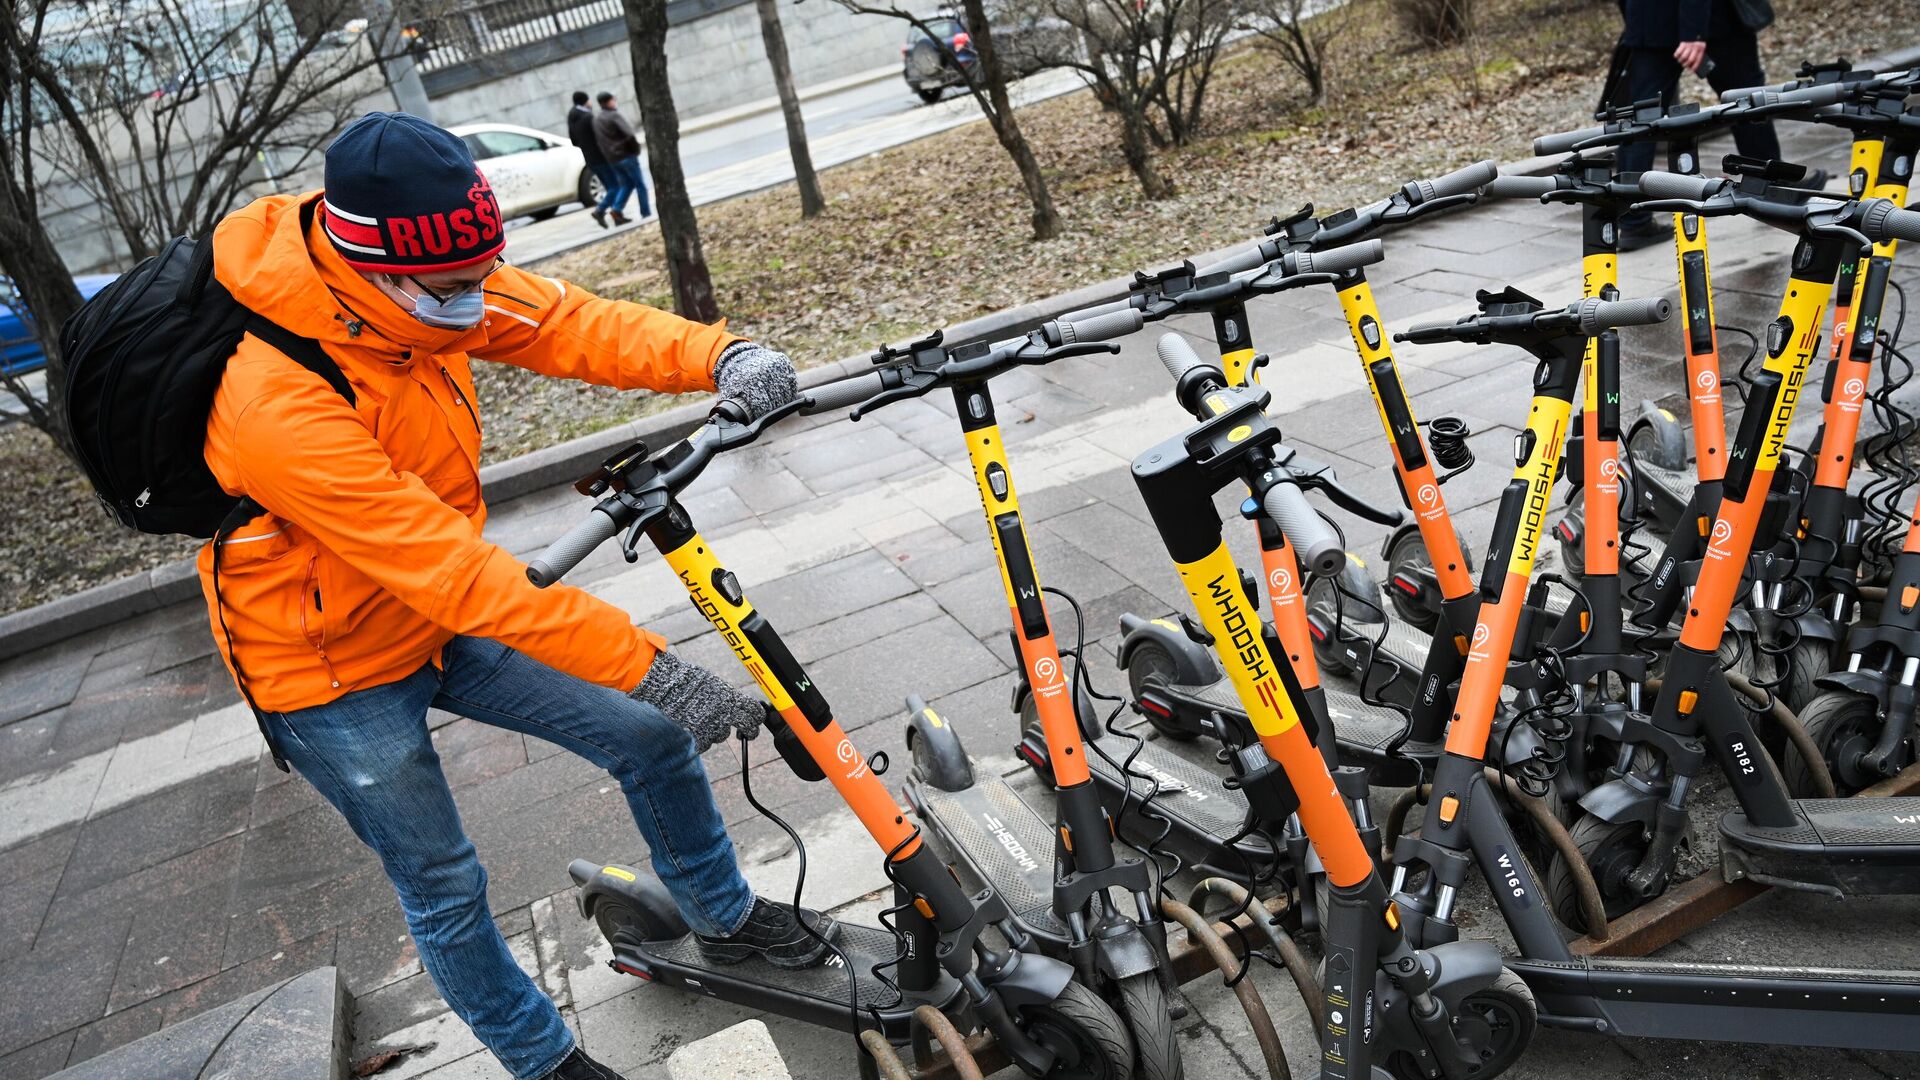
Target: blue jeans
(626, 172)
(609, 180)
(369, 755)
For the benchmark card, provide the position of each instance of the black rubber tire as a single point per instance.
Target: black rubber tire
(1610, 850)
(1806, 662)
(931, 94)
(586, 190)
(1573, 556)
(1502, 1018)
(1150, 659)
(1089, 1037)
(1156, 1046)
(545, 213)
(1833, 720)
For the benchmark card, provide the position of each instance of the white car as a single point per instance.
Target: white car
(532, 173)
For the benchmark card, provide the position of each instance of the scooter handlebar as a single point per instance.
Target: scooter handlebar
(565, 553)
(1315, 541)
(1563, 141)
(1740, 92)
(1458, 182)
(1103, 326)
(1817, 96)
(1242, 260)
(1107, 308)
(840, 393)
(1337, 260)
(1597, 315)
(1657, 184)
(1177, 355)
(1883, 221)
(1519, 187)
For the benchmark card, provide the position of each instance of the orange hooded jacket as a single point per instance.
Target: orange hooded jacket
(370, 557)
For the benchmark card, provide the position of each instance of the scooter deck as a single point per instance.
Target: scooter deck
(1850, 847)
(1004, 841)
(1675, 484)
(1201, 811)
(1747, 1003)
(1365, 731)
(816, 995)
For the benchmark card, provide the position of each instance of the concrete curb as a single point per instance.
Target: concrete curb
(175, 582)
(771, 104)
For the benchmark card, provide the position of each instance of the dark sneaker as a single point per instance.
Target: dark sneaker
(1638, 234)
(773, 933)
(578, 1066)
(600, 217)
(619, 218)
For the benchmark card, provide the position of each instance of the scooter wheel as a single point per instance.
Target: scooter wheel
(1573, 555)
(1807, 661)
(1610, 850)
(1843, 726)
(1151, 661)
(1089, 1040)
(1408, 556)
(1354, 608)
(1497, 1022)
(1156, 1050)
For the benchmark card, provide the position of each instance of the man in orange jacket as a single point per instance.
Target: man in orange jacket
(365, 595)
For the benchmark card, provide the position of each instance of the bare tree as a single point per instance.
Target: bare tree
(811, 201)
(686, 261)
(986, 81)
(1298, 32)
(162, 117)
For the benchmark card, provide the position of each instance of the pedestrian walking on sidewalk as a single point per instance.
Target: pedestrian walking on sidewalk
(580, 133)
(1716, 40)
(365, 593)
(622, 150)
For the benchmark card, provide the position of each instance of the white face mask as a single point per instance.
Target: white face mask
(461, 311)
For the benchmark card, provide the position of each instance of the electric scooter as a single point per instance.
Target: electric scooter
(1389, 1009)
(1055, 873)
(1634, 823)
(1465, 825)
(934, 952)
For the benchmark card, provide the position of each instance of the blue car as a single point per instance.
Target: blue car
(19, 350)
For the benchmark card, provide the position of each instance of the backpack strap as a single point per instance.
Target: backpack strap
(303, 351)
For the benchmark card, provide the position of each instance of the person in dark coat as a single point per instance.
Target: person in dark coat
(621, 148)
(580, 133)
(1706, 37)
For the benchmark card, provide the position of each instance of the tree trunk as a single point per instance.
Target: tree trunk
(811, 201)
(1135, 146)
(1046, 220)
(686, 262)
(29, 257)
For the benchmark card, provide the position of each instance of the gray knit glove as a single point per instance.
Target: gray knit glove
(697, 700)
(755, 376)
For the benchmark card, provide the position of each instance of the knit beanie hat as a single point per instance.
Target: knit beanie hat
(404, 196)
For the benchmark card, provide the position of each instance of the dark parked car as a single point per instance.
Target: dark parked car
(1024, 46)
(19, 350)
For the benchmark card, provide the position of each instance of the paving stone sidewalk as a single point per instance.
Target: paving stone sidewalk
(153, 864)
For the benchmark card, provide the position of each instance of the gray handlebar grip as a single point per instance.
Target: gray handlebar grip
(1101, 327)
(1739, 92)
(1818, 96)
(1244, 259)
(1339, 260)
(1883, 221)
(1562, 141)
(1312, 538)
(1177, 355)
(1458, 182)
(1597, 315)
(565, 553)
(840, 393)
(1107, 308)
(1519, 187)
(1657, 184)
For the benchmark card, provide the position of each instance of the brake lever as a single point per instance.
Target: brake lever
(1271, 281)
(916, 384)
(1432, 206)
(1702, 207)
(731, 432)
(1061, 352)
(1348, 501)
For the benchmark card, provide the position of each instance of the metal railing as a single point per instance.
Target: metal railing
(482, 28)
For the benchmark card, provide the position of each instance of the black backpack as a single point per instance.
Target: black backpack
(144, 357)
